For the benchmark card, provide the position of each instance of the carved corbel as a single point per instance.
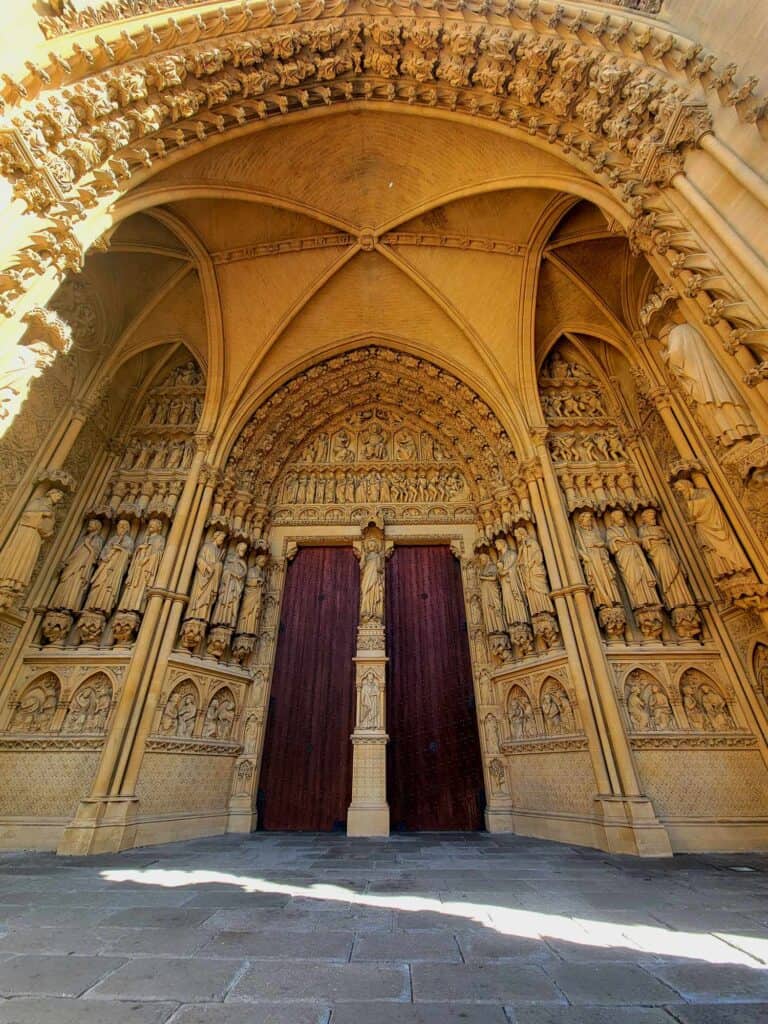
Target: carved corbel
(59, 478)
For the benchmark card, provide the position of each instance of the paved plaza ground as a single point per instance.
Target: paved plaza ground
(311, 929)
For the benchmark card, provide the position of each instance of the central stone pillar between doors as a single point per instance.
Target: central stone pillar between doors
(368, 813)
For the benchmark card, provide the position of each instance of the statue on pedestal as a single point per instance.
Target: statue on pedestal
(108, 577)
(702, 378)
(77, 569)
(231, 587)
(20, 552)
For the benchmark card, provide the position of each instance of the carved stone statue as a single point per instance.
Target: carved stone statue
(250, 608)
(205, 585)
(76, 573)
(637, 708)
(722, 552)
(657, 545)
(371, 582)
(179, 714)
(635, 571)
(715, 709)
(144, 566)
(115, 556)
(701, 377)
(533, 573)
(37, 707)
(231, 588)
(210, 724)
(490, 595)
(512, 594)
(219, 717)
(659, 708)
(369, 702)
(598, 570)
(89, 708)
(20, 552)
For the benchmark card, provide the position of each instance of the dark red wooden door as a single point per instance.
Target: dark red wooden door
(434, 772)
(306, 774)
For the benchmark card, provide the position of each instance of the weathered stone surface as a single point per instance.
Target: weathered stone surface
(610, 984)
(79, 1011)
(490, 982)
(30, 975)
(265, 981)
(185, 980)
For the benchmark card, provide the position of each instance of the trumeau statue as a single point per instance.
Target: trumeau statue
(207, 576)
(371, 582)
(722, 552)
(231, 589)
(600, 574)
(253, 595)
(703, 379)
(512, 595)
(20, 552)
(634, 569)
(490, 595)
(144, 566)
(108, 577)
(76, 573)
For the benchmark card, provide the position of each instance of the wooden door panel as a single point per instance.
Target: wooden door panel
(434, 775)
(306, 775)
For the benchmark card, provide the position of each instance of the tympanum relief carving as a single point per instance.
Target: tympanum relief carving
(374, 458)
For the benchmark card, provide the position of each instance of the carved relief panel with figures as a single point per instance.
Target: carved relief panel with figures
(104, 582)
(637, 580)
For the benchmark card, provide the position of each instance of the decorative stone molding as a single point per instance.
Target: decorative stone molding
(710, 741)
(593, 86)
(552, 745)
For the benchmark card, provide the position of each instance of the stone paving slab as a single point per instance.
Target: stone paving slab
(738, 1013)
(588, 1015)
(489, 983)
(273, 944)
(152, 978)
(610, 985)
(229, 1013)
(415, 929)
(703, 983)
(53, 975)
(411, 946)
(438, 1013)
(267, 981)
(79, 1011)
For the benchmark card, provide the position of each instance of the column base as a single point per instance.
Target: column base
(368, 820)
(101, 825)
(630, 826)
(242, 816)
